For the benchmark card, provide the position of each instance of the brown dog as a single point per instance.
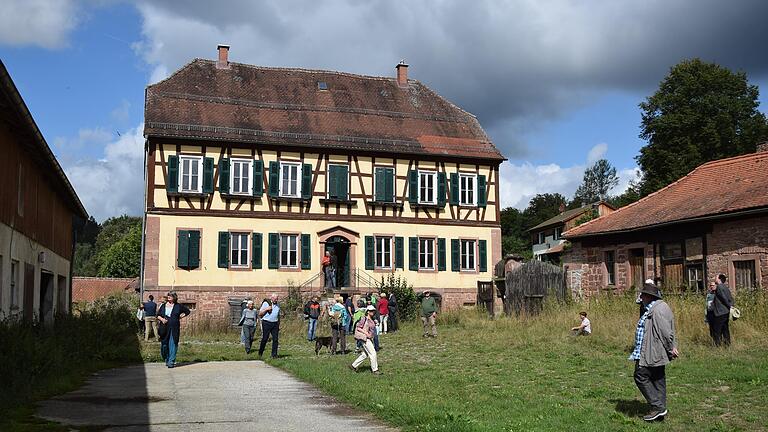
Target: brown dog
(322, 341)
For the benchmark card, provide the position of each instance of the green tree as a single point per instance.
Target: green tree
(122, 258)
(598, 181)
(542, 207)
(629, 196)
(701, 112)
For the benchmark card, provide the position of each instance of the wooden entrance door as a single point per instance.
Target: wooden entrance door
(637, 267)
(29, 292)
(673, 276)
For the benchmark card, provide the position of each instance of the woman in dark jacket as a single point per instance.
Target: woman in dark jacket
(170, 314)
(392, 312)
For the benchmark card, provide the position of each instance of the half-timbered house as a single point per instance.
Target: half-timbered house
(254, 172)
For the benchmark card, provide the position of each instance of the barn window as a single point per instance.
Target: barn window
(610, 266)
(745, 274)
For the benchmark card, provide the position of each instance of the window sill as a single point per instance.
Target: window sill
(428, 206)
(327, 201)
(467, 206)
(189, 194)
(240, 196)
(289, 199)
(395, 204)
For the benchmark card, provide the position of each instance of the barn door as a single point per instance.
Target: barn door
(637, 269)
(673, 276)
(29, 292)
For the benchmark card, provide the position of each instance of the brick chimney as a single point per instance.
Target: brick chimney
(402, 74)
(223, 62)
(762, 147)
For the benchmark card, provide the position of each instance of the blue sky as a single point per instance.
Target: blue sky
(556, 86)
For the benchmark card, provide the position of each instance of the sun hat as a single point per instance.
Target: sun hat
(371, 308)
(651, 289)
(383, 294)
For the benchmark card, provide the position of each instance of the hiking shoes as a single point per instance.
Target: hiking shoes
(655, 415)
(353, 368)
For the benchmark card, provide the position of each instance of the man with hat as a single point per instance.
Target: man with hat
(655, 347)
(428, 314)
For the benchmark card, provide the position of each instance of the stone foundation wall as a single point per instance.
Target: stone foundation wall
(738, 240)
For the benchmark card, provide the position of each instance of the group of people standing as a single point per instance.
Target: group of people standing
(268, 315)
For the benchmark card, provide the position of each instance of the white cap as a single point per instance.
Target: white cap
(649, 281)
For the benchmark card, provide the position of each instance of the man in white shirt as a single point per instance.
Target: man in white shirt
(585, 328)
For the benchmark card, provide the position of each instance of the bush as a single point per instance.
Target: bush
(39, 360)
(407, 302)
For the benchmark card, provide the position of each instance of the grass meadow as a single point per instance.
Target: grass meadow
(528, 373)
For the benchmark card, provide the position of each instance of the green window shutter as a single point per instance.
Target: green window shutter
(441, 189)
(258, 178)
(413, 253)
(182, 258)
(441, 254)
(224, 175)
(273, 254)
(455, 255)
(483, 255)
(454, 188)
(482, 200)
(399, 253)
(306, 181)
(207, 175)
(172, 185)
(306, 252)
(389, 185)
(342, 182)
(333, 179)
(194, 249)
(413, 187)
(274, 179)
(223, 249)
(380, 177)
(256, 240)
(369, 258)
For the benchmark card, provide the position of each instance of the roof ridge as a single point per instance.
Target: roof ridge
(176, 72)
(300, 69)
(707, 164)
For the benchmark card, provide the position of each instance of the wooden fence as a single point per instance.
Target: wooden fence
(528, 286)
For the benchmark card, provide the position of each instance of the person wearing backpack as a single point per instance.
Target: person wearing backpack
(359, 314)
(364, 331)
(339, 322)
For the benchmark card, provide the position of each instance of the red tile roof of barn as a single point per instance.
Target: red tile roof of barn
(92, 288)
(284, 106)
(714, 189)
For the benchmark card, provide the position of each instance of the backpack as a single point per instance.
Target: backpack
(360, 333)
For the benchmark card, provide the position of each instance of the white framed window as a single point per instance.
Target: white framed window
(427, 186)
(467, 189)
(289, 250)
(290, 180)
(242, 176)
(468, 255)
(426, 253)
(14, 284)
(541, 237)
(191, 173)
(558, 233)
(238, 250)
(383, 252)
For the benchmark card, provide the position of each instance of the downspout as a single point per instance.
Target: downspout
(143, 225)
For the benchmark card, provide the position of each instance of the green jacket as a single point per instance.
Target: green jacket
(428, 306)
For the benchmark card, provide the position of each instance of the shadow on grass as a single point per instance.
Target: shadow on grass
(630, 407)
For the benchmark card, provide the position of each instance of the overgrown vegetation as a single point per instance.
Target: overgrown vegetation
(39, 361)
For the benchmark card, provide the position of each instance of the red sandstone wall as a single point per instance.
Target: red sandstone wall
(734, 240)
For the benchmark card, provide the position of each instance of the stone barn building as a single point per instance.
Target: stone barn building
(39, 210)
(714, 220)
(253, 173)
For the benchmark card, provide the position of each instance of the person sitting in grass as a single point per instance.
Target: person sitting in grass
(583, 329)
(429, 314)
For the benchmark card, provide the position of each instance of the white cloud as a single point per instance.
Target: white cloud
(122, 113)
(520, 183)
(45, 23)
(596, 153)
(113, 184)
(85, 137)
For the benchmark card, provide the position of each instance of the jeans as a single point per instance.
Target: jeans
(652, 383)
(384, 323)
(150, 323)
(330, 278)
(247, 337)
(168, 350)
(311, 329)
(338, 332)
(429, 321)
(368, 352)
(719, 330)
(269, 328)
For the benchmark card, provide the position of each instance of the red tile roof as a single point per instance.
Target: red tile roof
(283, 106)
(714, 189)
(92, 288)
